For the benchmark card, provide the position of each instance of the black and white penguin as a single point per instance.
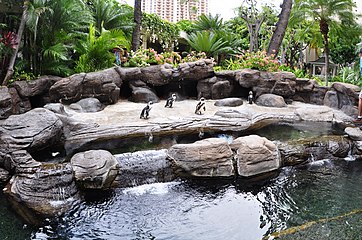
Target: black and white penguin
(200, 106)
(170, 100)
(146, 110)
(250, 98)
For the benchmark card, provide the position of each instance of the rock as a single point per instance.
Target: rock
(34, 130)
(271, 100)
(315, 113)
(87, 105)
(56, 108)
(205, 158)
(354, 133)
(6, 104)
(140, 94)
(49, 192)
(143, 167)
(103, 85)
(94, 169)
(229, 102)
(255, 155)
(35, 87)
(4, 176)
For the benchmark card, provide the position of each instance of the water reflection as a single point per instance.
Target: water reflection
(322, 191)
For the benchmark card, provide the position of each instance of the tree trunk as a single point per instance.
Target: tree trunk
(278, 35)
(326, 51)
(136, 35)
(10, 72)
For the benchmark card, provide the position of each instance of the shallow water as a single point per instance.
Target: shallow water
(323, 192)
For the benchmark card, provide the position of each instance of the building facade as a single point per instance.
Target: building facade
(176, 10)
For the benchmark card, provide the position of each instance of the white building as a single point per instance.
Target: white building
(176, 10)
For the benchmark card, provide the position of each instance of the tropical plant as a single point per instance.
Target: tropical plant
(327, 14)
(154, 29)
(108, 14)
(96, 53)
(209, 43)
(208, 23)
(253, 60)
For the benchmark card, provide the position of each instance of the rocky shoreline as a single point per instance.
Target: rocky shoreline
(51, 153)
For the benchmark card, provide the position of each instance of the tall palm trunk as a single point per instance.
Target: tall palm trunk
(324, 28)
(278, 35)
(10, 72)
(136, 35)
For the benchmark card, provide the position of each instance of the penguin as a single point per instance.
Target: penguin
(200, 106)
(170, 100)
(250, 98)
(146, 110)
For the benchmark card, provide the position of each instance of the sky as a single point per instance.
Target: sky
(223, 7)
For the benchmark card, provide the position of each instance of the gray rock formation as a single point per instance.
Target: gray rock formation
(255, 155)
(103, 85)
(33, 131)
(143, 167)
(229, 102)
(211, 157)
(271, 100)
(87, 105)
(48, 191)
(94, 169)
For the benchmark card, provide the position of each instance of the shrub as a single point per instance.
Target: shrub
(253, 60)
(147, 57)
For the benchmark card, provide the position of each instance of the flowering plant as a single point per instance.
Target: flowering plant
(253, 60)
(147, 57)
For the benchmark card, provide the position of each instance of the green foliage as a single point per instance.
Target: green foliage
(348, 75)
(147, 57)
(253, 60)
(96, 52)
(157, 29)
(208, 42)
(186, 26)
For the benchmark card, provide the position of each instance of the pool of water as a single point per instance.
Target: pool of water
(321, 200)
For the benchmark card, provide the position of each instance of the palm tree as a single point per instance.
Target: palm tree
(138, 22)
(109, 15)
(281, 28)
(327, 13)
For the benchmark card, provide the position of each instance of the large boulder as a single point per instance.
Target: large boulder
(94, 169)
(87, 105)
(103, 85)
(271, 100)
(33, 131)
(211, 157)
(255, 155)
(48, 191)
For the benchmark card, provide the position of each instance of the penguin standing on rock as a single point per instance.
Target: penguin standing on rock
(200, 106)
(250, 97)
(146, 110)
(170, 100)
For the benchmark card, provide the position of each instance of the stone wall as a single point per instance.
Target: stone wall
(188, 80)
